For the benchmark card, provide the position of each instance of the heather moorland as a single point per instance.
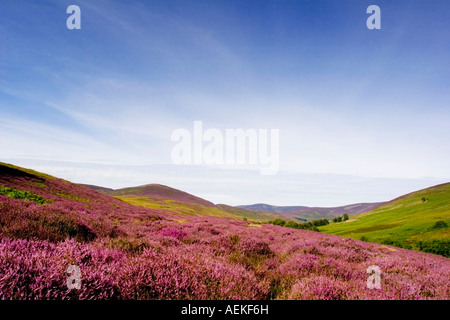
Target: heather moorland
(129, 252)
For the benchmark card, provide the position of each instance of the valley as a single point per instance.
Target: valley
(170, 250)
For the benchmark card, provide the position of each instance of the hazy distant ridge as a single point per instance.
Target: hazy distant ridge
(312, 213)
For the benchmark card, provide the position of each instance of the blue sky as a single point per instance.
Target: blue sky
(363, 114)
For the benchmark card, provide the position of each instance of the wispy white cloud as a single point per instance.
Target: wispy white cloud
(27, 139)
(135, 73)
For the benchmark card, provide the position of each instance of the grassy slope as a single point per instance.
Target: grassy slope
(187, 208)
(270, 208)
(403, 221)
(251, 214)
(7, 169)
(173, 206)
(177, 202)
(158, 191)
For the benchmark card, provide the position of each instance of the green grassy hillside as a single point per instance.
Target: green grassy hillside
(158, 191)
(177, 202)
(418, 220)
(174, 206)
(178, 207)
(249, 214)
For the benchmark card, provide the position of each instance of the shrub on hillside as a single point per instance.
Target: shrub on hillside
(292, 224)
(441, 247)
(278, 222)
(303, 226)
(440, 225)
(320, 222)
(337, 219)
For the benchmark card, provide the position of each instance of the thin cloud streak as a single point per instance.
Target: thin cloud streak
(347, 101)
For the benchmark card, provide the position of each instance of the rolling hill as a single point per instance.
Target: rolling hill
(174, 201)
(410, 221)
(129, 252)
(157, 192)
(313, 213)
(270, 208)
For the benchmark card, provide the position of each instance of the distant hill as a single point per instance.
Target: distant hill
(158, 191)
(262, 216)
(313, 213)
(157, 196)
(97, 188)
(269, 208)
(418, 220)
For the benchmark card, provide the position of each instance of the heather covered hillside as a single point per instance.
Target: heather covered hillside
(129, 252)
(64, 210)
